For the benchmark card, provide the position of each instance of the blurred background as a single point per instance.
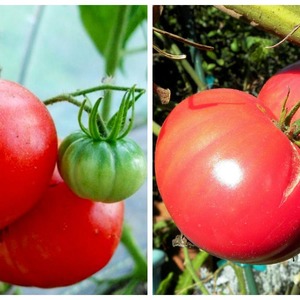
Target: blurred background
(49, 51)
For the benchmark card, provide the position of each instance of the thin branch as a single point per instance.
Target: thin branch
(283, 40)
(183, 40)
(169, 55)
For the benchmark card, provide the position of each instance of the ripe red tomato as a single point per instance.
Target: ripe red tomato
(275, 90)
(28, 150)
(62, 240)
(230, 178)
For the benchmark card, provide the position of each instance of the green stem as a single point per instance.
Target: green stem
(70, 96)
(240, 277)
(250, 280)
(64, 98)
(127, 239)
(115, 43)
(139, 274)
(189, 69)
(156, 128)
(113, 52)
(193, 273)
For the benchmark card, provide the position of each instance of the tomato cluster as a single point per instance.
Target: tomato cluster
(49, 236)
(227, 166)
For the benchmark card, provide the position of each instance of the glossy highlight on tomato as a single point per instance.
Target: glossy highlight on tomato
(28, 150)
(230, 178)
(61, 241)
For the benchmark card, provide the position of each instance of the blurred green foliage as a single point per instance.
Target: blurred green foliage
(239, 59)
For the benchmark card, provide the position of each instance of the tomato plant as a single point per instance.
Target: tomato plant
(284, 82)
(28, 150)
(62, 240)
(230, 178)
(100, 163)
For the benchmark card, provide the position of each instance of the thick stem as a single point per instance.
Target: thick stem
(115, 43)
(113, 52)
(250, 280)
(277, 19)
(139, 259)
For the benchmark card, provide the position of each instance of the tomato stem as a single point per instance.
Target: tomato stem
(69, 97)
(97, 129)
(250, 280)
(192, 271)
(140, 269)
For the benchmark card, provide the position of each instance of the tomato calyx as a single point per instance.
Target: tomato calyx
(117, 126)
(285, 124)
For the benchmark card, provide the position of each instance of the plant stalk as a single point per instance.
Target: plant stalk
(248, 271)
(69, 97)
(193, 273)
(127, 239)
(240, 277)
(113, 52)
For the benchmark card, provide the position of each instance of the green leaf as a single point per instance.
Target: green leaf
(165, 284)
(4, 287)
(211, 55)
(103, 24)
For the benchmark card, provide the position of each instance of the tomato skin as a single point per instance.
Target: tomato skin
(99, 170)
(275, 90)
(61, 241)
(230, 178)
(28, 150)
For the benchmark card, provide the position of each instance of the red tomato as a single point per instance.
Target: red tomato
(230, 178)
(275, 90)
(28, 150)
(62, 240)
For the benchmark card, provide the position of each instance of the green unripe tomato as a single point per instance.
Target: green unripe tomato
(106, 171)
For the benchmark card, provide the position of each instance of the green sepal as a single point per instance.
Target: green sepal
(131, 119)
(93, 123)
(116, 127)
(82, 127)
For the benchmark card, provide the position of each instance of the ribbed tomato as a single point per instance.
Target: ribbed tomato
(106, 171)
